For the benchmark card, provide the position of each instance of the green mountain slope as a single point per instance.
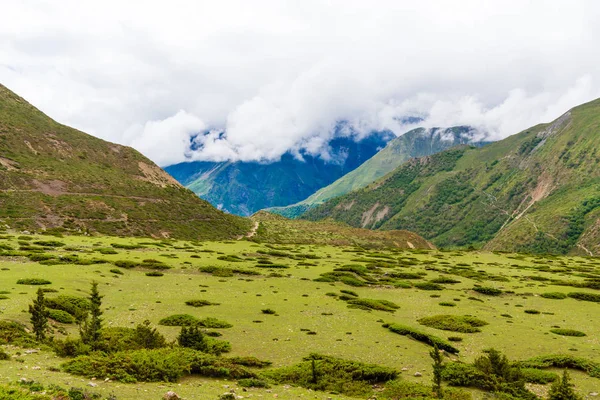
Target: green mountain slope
(416, 143)
(55, 176)
(537, 191)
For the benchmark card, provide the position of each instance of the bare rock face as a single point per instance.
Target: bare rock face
(170, 395)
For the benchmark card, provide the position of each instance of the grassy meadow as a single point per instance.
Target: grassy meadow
(320, 299)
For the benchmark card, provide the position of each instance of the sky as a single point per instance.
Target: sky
(259, 78)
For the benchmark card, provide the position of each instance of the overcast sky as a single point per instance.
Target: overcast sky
(277, 75)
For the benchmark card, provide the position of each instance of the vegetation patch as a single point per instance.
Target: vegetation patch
(200, 303)
(567, 332)
(554, 295)
(61, 316)
(33, 281)
(488, 291)
(325, 373)
(422, 337)
(454, 323)
(372, 304)
(584, 296)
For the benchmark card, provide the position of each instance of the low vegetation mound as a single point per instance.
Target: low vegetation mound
(454, 323)
(422, 337)
(319, 372)
(567, 332)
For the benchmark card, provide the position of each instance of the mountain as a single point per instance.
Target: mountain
(243, 188)
(415, 143)
(53, 176)
(537, 191)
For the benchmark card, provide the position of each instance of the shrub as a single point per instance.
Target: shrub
(371, 304)
(563, 361)
(460, 374)
(127, 264)
(179, 320)
(49, 243)
(444, 280)
(428, 286)
(214, 323)
(567, 332)
(268, 311)
(200, 303)
(454, 323)
(4, 355)
(151, 263)
(155, 365)
(532, 312)
(554, 295)
(422, 337)
(154, 273)
(585, 296)
(14, 333)
(455, 338)
(349, 292)
(319, 372)
(107, 251)
(193, 338)
(116, 271)
(541, 377)
(488, 291)
(33, 281)
(447, 304)
(250, 362)
(253, 382)
(76, 306)
(70, 347)
(61, 316)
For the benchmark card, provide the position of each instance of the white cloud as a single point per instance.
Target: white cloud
(277, 76)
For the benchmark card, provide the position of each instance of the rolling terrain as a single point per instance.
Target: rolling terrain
(537, 191)
(243, 188)
(416, 143)
(53, 176)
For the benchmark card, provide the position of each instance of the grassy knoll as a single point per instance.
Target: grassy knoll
(314, 301)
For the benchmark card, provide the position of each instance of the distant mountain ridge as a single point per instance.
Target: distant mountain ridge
(53, 176)
(243, 188)
(415, 143)
(537, 191)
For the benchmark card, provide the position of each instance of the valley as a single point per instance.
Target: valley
(313, 292)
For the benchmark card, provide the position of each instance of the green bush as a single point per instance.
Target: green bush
(15, 334)
(49, 243)
(154, 273)
(488, 291)
(151, 263)
(4, 355)
(127, 264)
(541, 377)
(454, 323)
(200, 303)
(349, 292)
(179, 320)
(444, 280)
(268, 311)
(61, 316)
(319, 372)
(157, 365)
(585, 296)
(567, 332)
(371, 304)
(214, 323)
(460, 374)
(193, 338)
(70, 347)
(531, 311)
(428, 286)
(250, 362)
(447, 304)
(116, 271)
(554, 295)
(76, 306)
(422, 337)
(563, 361)
(33, 281)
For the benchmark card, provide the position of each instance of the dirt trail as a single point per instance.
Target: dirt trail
(251, 233)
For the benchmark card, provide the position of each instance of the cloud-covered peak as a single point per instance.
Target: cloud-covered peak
(278, 76)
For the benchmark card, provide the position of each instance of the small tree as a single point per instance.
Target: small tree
(438, 367)
(148, 337)
(39, 316)
(90, 331)
(562, 389)
(193, 338)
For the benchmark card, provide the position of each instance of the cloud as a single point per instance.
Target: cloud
(269, 77)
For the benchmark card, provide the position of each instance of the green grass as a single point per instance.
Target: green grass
(303, 305)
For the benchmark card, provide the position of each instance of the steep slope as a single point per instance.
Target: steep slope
(274, 228)
(245, 187)
(416, 143)
(55, 176)
(537, 191)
